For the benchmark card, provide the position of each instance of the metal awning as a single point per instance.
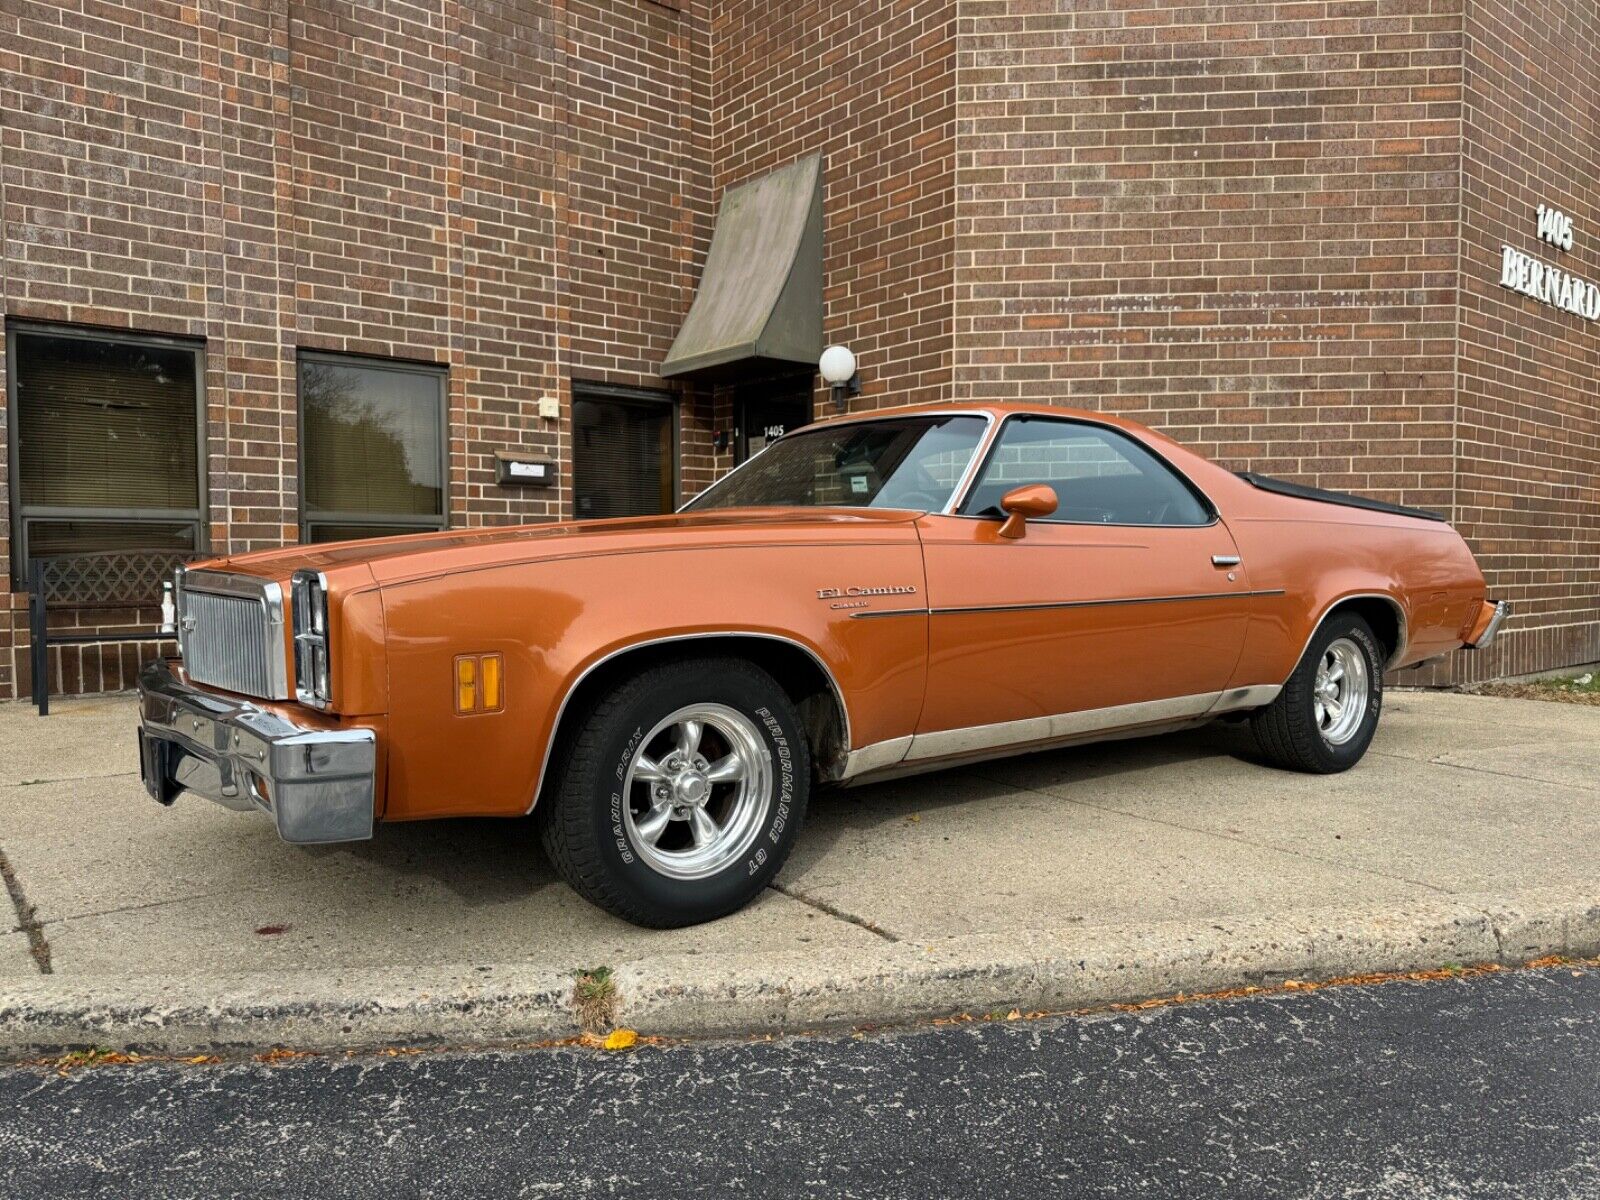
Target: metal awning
(760, 297)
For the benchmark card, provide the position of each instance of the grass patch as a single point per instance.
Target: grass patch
(595, 999)
(1582, 688)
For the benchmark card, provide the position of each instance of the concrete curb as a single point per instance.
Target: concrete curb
(712, 995)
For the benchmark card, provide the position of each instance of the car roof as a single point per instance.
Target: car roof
(997, 411)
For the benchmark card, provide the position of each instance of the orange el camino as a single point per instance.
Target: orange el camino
(868, 597)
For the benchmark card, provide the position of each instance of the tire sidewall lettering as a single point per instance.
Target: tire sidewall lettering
(614, 804)
(783, 775)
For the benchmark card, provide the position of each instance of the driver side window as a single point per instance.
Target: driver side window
(1100, 476)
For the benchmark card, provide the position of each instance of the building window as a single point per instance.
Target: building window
(372, 446)
(623, 452)
(106, 451)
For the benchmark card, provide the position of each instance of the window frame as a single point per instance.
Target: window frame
(960, 509)
(583, 389)
(198, 517)
(399, 523)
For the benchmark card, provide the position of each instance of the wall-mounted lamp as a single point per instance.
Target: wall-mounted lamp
(838, 368)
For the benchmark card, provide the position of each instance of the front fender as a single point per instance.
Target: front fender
(555, 621)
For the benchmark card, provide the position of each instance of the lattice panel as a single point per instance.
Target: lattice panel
(128, 579)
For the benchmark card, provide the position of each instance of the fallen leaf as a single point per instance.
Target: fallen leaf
(282, 1054)
(620, 1039)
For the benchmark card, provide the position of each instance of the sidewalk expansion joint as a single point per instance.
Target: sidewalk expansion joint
(822, 906)
(27, 916)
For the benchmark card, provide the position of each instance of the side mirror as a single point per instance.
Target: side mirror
(1031, 500)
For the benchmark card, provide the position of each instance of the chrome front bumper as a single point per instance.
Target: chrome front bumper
(317, 785)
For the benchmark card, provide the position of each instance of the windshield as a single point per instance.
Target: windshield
(900, 462)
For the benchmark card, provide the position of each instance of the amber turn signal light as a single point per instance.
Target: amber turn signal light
(480, 686)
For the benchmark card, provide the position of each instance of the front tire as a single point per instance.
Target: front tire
(681, 795)
(1324, 719)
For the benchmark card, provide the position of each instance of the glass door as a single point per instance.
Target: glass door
(765, 411)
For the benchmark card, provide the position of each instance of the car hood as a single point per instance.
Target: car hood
(409, 557)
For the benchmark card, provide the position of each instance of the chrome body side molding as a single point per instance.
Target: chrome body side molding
(878, 756)
(956, 743)
(566, 698)
(1257, 695)
(947, 747)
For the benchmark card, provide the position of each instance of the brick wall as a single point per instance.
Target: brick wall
(1254, 227)
(872, 88)
(1528, 430)
(112, 188)
(520, 192)
(638, 196)
(1238, 227)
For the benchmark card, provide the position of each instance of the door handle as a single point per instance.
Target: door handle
(1224, 560)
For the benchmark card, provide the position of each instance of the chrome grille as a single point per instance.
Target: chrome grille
(231, 634)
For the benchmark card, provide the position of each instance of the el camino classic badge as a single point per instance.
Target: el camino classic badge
(857, 597)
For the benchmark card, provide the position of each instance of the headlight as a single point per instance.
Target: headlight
(311, 683)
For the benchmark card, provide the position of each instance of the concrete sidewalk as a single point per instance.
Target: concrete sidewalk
(1075, 877)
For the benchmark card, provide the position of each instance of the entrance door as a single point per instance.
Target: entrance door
(764, 412)
(1126, 607)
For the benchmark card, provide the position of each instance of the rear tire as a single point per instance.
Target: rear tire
(1324, 719)
(681, 794)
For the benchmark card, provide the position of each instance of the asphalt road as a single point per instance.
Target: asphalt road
(1474, 1088)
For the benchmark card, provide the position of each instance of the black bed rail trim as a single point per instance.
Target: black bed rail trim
(1301, 492)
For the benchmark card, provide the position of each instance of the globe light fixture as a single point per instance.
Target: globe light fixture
(838, 367)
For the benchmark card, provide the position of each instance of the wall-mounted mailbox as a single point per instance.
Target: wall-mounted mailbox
(516, 470)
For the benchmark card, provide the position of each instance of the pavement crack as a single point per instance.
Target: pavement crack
(822, 906)
(25, 783)
(95, 913)
(1496, 932)
(1440, 762)
(27, 916)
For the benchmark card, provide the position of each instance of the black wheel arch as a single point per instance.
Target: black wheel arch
(1384, 615)
(795, 667)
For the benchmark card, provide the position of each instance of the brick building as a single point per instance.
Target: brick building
(286, 269)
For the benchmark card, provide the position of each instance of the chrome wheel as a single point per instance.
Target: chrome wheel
(1339, 695)
(697, 791)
